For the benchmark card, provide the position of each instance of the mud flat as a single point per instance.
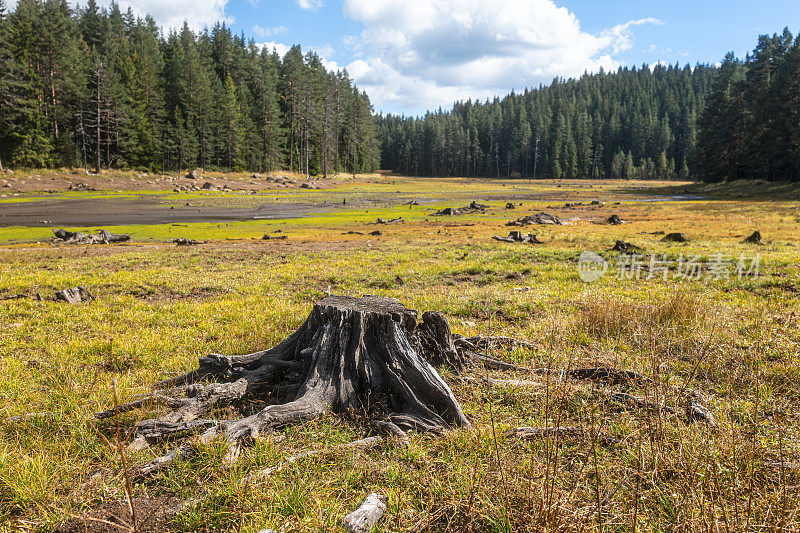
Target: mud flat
(141, 210)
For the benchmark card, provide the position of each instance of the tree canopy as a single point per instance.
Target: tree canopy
(751, 125)
(104, 88)
(633, 123)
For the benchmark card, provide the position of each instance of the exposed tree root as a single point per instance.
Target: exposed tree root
(352, 355)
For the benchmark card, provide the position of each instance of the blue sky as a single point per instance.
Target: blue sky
(413, 55)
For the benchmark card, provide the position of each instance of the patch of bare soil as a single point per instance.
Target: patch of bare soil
(152, 516)
(143, 210)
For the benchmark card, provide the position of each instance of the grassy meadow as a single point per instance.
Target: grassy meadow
(159, 307)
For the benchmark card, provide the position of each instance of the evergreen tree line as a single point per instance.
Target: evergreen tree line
(102, 88)
(751, 124)
(633, 123)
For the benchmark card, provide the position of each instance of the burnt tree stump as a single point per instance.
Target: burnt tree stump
(364, 355)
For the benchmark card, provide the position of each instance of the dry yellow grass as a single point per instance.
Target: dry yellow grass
(159, 307)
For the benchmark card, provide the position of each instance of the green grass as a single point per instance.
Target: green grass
(159, 307)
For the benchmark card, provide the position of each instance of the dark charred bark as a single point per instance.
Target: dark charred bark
(352, 355)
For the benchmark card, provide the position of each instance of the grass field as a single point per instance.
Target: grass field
(159, 307)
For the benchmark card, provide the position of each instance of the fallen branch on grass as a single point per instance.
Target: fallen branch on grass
(521, 383)
(576, 432)
(484, 342)
(27, 416)
(363, 519)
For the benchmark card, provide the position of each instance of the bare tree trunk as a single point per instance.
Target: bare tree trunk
(97, 137)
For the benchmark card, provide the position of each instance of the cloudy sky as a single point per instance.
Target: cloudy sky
(413, 55)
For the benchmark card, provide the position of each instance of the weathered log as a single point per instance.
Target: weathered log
(182, 241)
(351, 355)
(363, 519)
(109, 237)
(63, 236)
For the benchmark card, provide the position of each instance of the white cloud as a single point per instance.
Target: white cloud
(169, 14)
(309, 4)
(419, 54)
(324, 52)
(269, 32)
(621, 35)
(281, 48)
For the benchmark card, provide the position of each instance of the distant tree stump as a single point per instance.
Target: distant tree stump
(365, 355)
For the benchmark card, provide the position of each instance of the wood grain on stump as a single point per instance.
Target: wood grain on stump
(364, 355)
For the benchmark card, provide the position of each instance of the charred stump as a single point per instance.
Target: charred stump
(352, 355)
